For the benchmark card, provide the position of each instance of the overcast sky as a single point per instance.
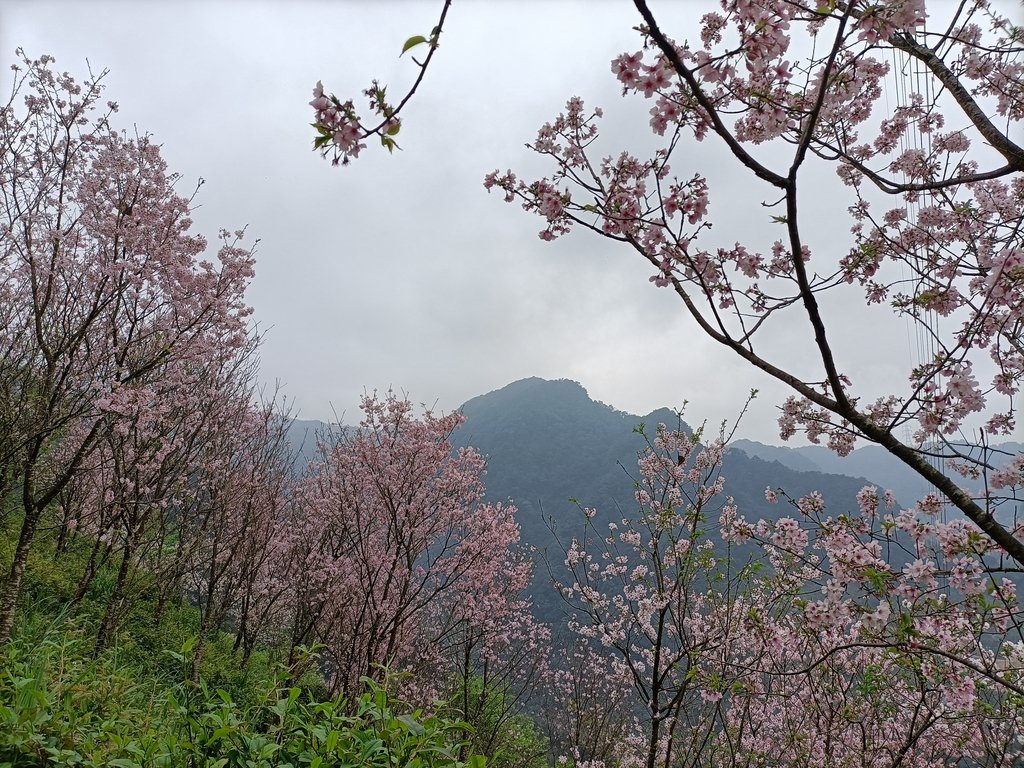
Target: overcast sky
(402, 271)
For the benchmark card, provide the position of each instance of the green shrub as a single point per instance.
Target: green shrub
(58, 706)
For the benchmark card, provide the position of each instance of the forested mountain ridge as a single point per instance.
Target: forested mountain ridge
(551, 449)
(548, 441)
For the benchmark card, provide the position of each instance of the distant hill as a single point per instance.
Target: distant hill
(870, 461)
(302, 436)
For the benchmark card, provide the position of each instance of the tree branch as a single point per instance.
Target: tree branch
(669, 51)
(999, 141)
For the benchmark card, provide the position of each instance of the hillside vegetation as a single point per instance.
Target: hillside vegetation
(136, 703)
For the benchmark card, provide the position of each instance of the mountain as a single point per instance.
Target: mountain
(302, 434)
(547, 442)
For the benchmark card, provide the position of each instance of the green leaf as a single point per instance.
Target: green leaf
(268, 750)
(410, 723)
(412, 42)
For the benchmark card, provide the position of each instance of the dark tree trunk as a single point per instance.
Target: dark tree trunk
(110, 617)
(12, 587)
(87, 575)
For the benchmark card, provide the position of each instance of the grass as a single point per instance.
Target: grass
(133, 705)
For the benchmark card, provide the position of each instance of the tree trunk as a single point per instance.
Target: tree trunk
(212, 615)
(12, 587)
(243, 623)
(62, 540)
(165, 596)
(198, 652)
(109, 623)
(87, 575)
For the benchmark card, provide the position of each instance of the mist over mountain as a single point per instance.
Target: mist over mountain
(302, 434)
(871, 461)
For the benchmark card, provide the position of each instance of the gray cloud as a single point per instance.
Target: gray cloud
(401, 271)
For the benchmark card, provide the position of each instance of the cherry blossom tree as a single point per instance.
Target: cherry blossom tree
(822, 652)
(588, 707)
(934, 197)
(884, 634)
(104, 287)
(398, 563)
(742, 82)
(142, 495)
(650, 591)
(496, 668)
(244, 482)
